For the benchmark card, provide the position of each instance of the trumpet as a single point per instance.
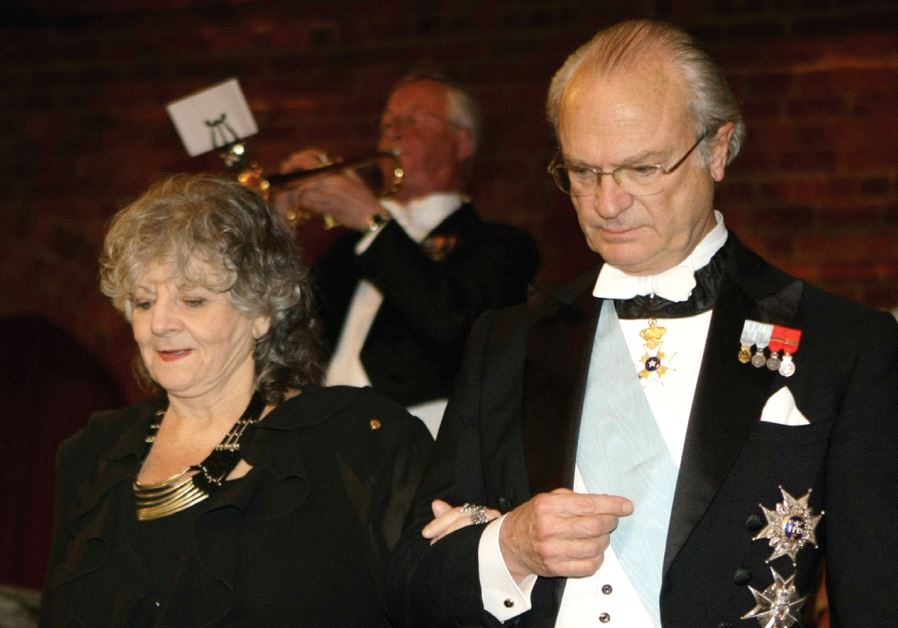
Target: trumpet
(251, 175)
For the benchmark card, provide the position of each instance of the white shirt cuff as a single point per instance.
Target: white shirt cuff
(365, 241)
(502, 597)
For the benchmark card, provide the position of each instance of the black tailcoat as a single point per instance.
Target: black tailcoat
(510, 431)
(433, 292)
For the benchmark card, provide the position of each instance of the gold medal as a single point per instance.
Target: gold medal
(652, 361)
(745, 342)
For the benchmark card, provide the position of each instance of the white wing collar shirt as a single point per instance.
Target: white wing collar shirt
(608, 597)
(417, 218)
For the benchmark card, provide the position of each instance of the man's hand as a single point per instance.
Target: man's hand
(344, 196)
(561, 533)
(448, 519)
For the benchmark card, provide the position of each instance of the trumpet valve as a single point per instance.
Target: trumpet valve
(253, 178)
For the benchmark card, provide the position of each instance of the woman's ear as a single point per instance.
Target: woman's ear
(261, 325)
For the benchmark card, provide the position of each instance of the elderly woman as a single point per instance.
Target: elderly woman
(242, 494)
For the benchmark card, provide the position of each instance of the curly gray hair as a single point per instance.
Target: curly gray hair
(711, 104)
(216, 220)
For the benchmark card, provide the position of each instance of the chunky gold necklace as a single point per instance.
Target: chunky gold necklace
(197, 482)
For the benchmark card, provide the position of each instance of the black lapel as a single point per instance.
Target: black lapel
(460, 221)
(559, 346)
(447, 236)
(730, 395)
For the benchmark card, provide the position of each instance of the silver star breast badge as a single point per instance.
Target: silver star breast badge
(778, 605)
(790, 526)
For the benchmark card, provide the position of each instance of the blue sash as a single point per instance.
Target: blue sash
(621, 452)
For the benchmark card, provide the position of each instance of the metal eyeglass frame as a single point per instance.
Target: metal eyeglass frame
(557, 165)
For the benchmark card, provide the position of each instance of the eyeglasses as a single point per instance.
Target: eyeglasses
(417, 120)
(638, 180)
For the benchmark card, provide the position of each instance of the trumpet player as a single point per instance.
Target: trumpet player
(400, 290)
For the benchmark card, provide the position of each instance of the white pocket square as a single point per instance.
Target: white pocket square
(781, 409)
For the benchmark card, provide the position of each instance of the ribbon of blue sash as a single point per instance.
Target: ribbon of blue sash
(621, 451)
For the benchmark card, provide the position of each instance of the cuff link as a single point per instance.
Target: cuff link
(377, 221)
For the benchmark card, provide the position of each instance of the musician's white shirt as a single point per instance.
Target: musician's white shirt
(670, 399)
(417, 218)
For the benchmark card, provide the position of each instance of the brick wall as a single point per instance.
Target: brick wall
(83, 89)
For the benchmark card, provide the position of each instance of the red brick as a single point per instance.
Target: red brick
(843, 214)
(779, 216)
(807, 189)
(847, 272)
(83, 104)
(847, 247)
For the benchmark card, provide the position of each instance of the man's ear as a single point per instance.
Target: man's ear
(464, 144)
(720, 150)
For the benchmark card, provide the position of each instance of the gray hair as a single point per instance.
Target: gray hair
(204, 217)
(711, 103)
(462, 110)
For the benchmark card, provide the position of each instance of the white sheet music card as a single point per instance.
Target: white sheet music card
(212, 118)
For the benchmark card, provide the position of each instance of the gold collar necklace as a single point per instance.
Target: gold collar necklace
(197, 482)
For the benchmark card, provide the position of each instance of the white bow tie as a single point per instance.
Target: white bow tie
(675, 284)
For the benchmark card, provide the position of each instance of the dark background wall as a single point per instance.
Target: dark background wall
(83, 87)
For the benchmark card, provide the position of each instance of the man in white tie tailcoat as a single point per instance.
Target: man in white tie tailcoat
(400, 288)
(679, 438)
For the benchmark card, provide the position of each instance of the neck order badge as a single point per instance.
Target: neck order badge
(653, 358)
